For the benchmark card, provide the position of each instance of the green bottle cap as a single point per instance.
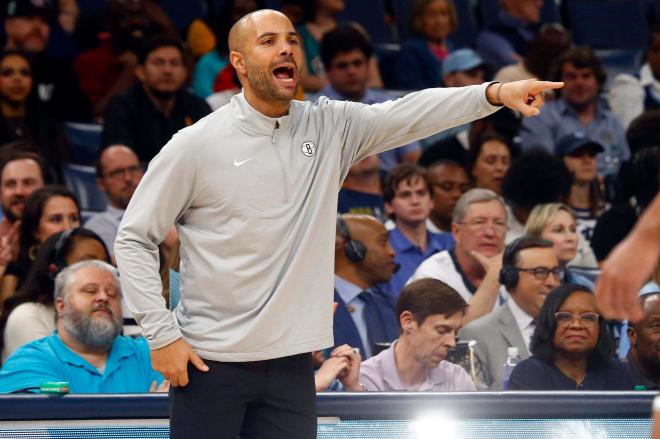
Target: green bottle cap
(56, 387)
(640, 388)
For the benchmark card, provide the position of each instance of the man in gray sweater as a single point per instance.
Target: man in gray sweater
(252, 189)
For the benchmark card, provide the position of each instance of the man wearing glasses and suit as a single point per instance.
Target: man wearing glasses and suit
(530, 270)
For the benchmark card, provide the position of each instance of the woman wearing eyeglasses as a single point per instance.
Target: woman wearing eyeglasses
(571, 349)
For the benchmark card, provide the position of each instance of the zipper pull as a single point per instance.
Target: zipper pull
(276, 133)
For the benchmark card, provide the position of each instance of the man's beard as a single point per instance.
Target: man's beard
(9, 214)
(263, 87)
(96, 333)
(162, 95)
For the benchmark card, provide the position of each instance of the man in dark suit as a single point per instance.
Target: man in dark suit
(530, 270)
(363, 259)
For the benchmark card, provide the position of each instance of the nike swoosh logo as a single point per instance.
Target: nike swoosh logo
(242, 162)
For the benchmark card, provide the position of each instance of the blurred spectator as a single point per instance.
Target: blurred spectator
(361, 192)
(419, 65)
(408, 203)
(637, 186)
(488, 161)
(585, 198)
(505, 42)
(20, 173)
(27, 28)
(343, 366)
(535, 177)
(22, 116)
(643, 131)
(209, 65)
(109, 69)
(447, 181)
(643, 359)
(461, 68)
(579, 109)
(345, 53)
(87, 350)
(118, 172)
(48, 210)
(29, 314)
(631, 95)
(542, 52)
(319, 19)
(151, 112)
(530, 270)
(503, 122)
(363, 259)
(556, 223)
(430, 313)
(571, 348)
(472, 267)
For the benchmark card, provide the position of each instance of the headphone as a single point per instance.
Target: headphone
(509, 275)
(59, 263)
(354, 250)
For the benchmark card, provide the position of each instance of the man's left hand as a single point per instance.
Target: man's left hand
(523, 96)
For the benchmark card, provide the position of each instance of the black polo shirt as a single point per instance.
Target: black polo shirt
(131, 119)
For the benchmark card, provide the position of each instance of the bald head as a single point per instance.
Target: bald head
(119, 172)
(243, 28)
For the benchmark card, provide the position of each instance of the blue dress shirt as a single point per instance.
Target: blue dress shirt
(409, 256)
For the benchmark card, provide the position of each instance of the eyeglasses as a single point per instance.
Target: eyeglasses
(565, 318)
(480, 224)
(542, 273)
(130, 170)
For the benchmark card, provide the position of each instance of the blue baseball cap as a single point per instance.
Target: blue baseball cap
(461, 60)
(575, 141)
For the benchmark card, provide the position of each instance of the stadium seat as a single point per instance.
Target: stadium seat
(81, 180)
(84, 142)
(608, 24)
(183, 12)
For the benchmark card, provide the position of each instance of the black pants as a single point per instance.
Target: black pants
(269, 399)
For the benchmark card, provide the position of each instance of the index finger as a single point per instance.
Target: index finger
(538, 86)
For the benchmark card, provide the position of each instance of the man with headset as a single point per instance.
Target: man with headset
(530, 270)
(363, 259)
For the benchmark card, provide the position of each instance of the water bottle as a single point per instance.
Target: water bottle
(511, 361)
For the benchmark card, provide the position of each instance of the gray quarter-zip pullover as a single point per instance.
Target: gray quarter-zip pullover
(254, 200)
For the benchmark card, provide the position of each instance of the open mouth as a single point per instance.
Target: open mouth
(284, 73)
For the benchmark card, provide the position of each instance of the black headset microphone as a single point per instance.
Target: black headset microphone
(354, 249)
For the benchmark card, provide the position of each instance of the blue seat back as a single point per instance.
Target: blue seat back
(81, 180)
(84, 142)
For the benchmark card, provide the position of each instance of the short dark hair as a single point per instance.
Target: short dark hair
(536, 177)
(511, 251)
(404, 172)
(472, 154)
(582, 57)
(342, 39)
(638, 177)
(21, 150)
(158, 42)
(426, 297)
(542, 344)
